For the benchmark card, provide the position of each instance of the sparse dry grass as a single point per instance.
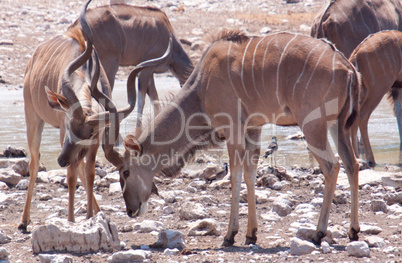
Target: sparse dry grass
(291, 18)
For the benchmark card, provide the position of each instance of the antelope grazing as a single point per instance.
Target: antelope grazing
(55, 92)
(126, 35)
(379, 60)
(347, 23)
(240, 84)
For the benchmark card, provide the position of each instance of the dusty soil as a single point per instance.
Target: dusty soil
(25, 23)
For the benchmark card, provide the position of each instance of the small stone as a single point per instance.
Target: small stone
(339, 197)
(282, 207)
(191, 211)
(375, 241)
(147, 226)
(170, 239)
(204, 227)
(129, 256)
(4, 239)
(300, 247)
(4, 254)
(379, 206)
(371, 230)
(358, 249)
(9, 176)
(171, 251)
(325, 247)
(23, 184)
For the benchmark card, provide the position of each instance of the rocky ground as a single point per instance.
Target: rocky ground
(192, 212)
(288, 201)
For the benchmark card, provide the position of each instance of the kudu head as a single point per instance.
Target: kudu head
(83, 125)
(136, 185)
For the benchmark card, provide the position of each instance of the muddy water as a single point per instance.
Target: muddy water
(382, 129)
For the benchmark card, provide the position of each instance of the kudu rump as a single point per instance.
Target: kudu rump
(240, 84)
(56, 92)
(346, 24)
(126, 35)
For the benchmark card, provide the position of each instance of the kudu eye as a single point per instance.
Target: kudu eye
(126, 173)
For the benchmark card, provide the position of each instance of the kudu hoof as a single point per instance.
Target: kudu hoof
(353, 234)
(227, 243)
(317, 237)
(250, 240)
(23, 228)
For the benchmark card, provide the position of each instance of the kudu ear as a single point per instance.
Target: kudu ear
(100, 120)
(132, 144)
(57, 101)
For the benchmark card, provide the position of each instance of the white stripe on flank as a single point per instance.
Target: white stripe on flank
(242, 67)
(277, 70)
(376, 18)
(229, 70)
(304, 68)
(364, 22)
(347, 17)
(312, 73)
(252, 68)
(51, 60)
(379, 58)
(263, 61)
(333, 73)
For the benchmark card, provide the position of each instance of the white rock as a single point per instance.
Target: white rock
(393, 198)
(204, 227)
(115, 188)
(147, 226)
(113, 177)
(21, 166)
(339, 197)
(52, 258)
(265, 30)
(5, 199)
(306, 233)
(23, 184)
(10, 177)
(4, 254)
(317, 201)
(282, 206)
(304, 208)
(371, 230)
(171, 239)
(91, 235)
(4, 238)
(395, 209)
(325, 247)
(271, 217)
(171, 251)
(191, 211)
(375, 241)
(393, 180)
(358, 249)
(3, 186)
(379, 206)
(170, 196)
(338, 231)
(300, 247)
(129, 256)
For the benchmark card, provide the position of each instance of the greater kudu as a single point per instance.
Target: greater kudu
(379, 60)
(240, 84)
(126, 35)
(347, 23)
(56, 92)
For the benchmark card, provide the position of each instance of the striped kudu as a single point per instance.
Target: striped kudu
(56, 92)
(379, 60)
(126, 35)
(240, 84)
(346, 24)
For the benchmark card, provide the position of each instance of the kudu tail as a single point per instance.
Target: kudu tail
(355, 83)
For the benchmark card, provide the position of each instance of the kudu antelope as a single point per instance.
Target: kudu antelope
(126, 35)
(240, 84)
(379, 60)
(346, 24)
(56, 92)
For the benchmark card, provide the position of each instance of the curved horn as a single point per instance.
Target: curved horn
(131, 93)
(75, 64)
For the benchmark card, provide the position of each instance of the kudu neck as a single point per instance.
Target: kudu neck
(177, 132)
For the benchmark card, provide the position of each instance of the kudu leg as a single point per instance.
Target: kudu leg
(236, 152)
(317, 140)
(397, 96)
(250, 171)
(72, 172)
(92, 204)
(34, 134)
(352, 170)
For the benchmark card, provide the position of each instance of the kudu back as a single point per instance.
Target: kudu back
(240, 84)
(126, 35)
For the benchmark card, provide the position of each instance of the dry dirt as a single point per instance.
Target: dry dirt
(26, 31)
